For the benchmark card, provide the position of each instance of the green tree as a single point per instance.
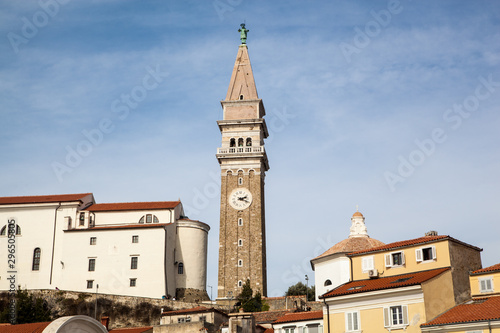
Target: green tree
(299, 289)
(29, 309)
(251, 303)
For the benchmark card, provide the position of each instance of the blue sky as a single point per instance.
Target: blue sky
(389, 105)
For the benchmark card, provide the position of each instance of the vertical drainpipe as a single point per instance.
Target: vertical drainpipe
(327, 314)
(53, 243)
(350, 264)
(165, 260)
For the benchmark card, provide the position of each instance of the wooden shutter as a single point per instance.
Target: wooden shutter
(402, 258)
(355, 321)
(434, 252)
(388, 260)
(348, 324)
(387, 317)
(418, 255)
(404, 308)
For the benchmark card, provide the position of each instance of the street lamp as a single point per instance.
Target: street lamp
(307, 288)
(95, 310)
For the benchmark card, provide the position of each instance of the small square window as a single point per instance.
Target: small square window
(91, 265)
(90, 284)
(135, 239)
(93, 240)
(133, 262)
(486, 284)
(181, 320)
(133, 282)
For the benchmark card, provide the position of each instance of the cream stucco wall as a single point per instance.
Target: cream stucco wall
(411, 264)
(370, 306)
(475, 287)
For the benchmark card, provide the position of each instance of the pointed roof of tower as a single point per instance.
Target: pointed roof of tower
(242, 84)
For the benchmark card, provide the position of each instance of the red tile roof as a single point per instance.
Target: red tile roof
(43, 198)
(411, 242)
(269, 316)
(481, 309)
(490, 269)
(389, 282)
(132, 330)
(198, 309)
(24, 328)
(269, 330)
(107, 207)
(299, 316)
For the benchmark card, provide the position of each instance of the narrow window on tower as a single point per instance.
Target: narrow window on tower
(232, 142)
(36, 259)
(240, 142)
(240, 242)
(180, 268)
(249, 142)
(240, 181)
(240, 222)
(240, 283)
(240, 263)
(241, 97)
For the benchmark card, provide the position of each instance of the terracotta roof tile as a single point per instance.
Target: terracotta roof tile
(106, 207)
(269, 330)
(396, 281)
(481, 309)
(352, 244)
(490, 269)
(299, 316)
(132, 330)
(269, 316)
(25, 328)
(43, 198)
(411, 242)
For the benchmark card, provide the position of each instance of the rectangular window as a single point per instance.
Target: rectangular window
(352, 321)
(82, 218)
(93, 240)
(180, 320)
(133, 262)
(133, 282)
(396, 316)
(486, 284)
(425, 254)
(90, 284)
(135, 239)
(289, 330)
(367, 264)
(395, 259)
(149, 218)
(91, 265)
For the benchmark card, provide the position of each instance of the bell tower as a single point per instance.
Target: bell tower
(243, 162)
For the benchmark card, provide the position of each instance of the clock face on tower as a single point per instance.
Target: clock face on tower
(240, 198)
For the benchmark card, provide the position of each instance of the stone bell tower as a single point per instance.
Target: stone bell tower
(243, 162)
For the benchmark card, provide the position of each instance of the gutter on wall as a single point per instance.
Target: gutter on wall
(327, 314)
(53, 243)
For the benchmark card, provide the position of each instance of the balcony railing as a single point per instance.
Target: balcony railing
(240, 150)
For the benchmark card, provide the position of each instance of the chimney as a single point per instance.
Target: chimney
(431, 233)
(105, 322)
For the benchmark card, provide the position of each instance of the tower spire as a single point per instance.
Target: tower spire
(242, 84)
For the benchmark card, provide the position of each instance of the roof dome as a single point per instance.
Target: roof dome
(358, 239)
(357, 214)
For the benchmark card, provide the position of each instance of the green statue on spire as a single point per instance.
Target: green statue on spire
(243, 33)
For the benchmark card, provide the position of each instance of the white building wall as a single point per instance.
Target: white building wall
(126, 217)
(113, 252)
(192, 238)
(37, 230)
(335, 269)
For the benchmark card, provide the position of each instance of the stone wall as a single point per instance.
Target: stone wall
(292, 302)
(464, 259)
(123, 311)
